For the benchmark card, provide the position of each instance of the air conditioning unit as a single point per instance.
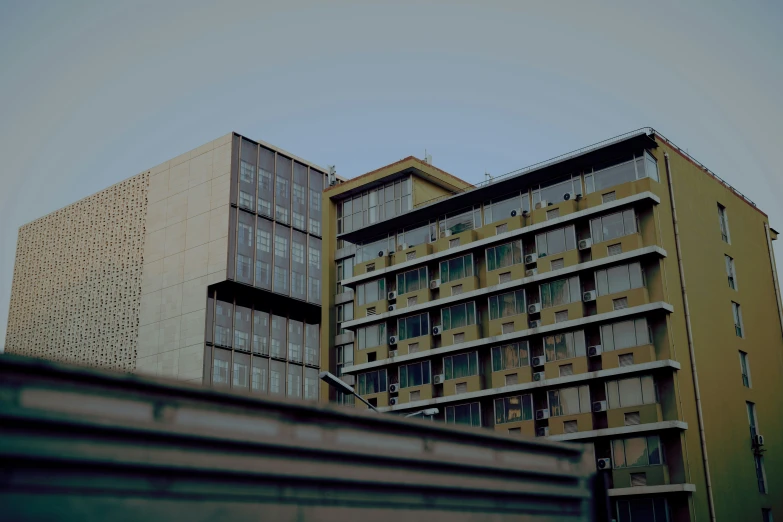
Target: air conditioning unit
(539, 361)
(585, 244)
(542, 432)
(530, 259)
(594, 351)
(534, 308)
(435, 283)
(588, 296)
(392, 340)
(392, 307)
(447, 233)
(599, 406)
(568, 196)
(393, 401)
(758, 440)
(535, 324)
(436, 330)
(394, 388)
(542, 414)
(382, 253)
(539, 376)
(392, 295)
(515, 212)
(392, 353)
(541, 204)
(438, 379)
(603, 463)
(530, 272)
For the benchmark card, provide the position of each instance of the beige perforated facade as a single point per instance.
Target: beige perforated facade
(119, 279)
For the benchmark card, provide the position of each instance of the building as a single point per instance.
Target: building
(576, 300)
(205, 268)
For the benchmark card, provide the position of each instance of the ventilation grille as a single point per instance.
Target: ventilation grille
(620, 304)
(638, 479)
(512, 379)
(453, 243)
(456, 289)
(371, 310)
(570, 427)
(461, 387)
(557, 264)
(370, 267)
(566, 370)
(613, 250)
(552, 214)
(505, 277)
(561, 316)
(459, 338)
(501, 228)
(632, 418)
(626, 359)
(413, 300)
(413, 347)
(410, 255)
(508, 328)
(415, 395)
(609, 196)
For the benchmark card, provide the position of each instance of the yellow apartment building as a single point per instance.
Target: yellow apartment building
(621, 295)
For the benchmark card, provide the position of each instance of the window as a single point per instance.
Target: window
(564, 346)
(375, 205)
(504, 305)
(414, 374)
(412, 281)
(417, 235)
(619, 278)
(637, 451)
(373, 249)
(223, 323)
(735, 308)
(730, 272)
(456, 268)
(752, 419)
(465, 414)
(625, 334)
(314, 270)
(457, 316)
(344, 271)
(460, 221)
(266, 167)
(371, 292)
(569, 401)
(295, 340)
(761, 475)
(413, 326)
(723, 219)
(560, 292)
(372, 382)
(612, 226)
(220, 372)
(258, 378)
(514, 409)
(294, 381)
(312, 344)
(635, 391)
(653, 509)
(510, 356)
(554, 191)
(766, 515)
(260, 332)
(344, 357)
(745, 368)
(278, 337)
(263, 271)
(371, 336)
(641, 166)
(316, 187)
(462, 365)
(247, 175)
(505, 255)
(345, 312)
(499, 209)
(556, 241)
(242, 328)
(311, 384)
(282, 253)
(276, 377)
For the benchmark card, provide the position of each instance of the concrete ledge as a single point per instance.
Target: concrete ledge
(652, 490)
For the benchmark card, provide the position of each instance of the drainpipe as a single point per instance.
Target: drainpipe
(691, 352)
(774, 275)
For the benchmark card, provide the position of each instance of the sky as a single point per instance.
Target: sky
(92, 93)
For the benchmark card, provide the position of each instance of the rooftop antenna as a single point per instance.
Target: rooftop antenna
(427, 158)
(488, 177)
(332, 175)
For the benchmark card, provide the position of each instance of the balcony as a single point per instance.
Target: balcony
(420, 393)
(501, 378)
(564, 207)
(656, 475)
(364, 355)
(519, 322)
(412, 298)
(361, 310)
(511, 223)
(344, 338)
(372, 265)
(648, 413)
(463, 334)
(381, 397)
(584, 422)
(510, 273)
(421, 344)
(635, 297)
(623, 190)
(569, 257)
(465, 284)
(472, 384)
(641, 354)
(627, 243)
(575, 311)
(552, 369)
(527, 428)
(463, 238)
(413, 252)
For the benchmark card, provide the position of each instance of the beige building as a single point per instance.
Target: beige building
(173, 273)
(622, 296)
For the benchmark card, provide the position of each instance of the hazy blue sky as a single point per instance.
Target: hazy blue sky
(94, 92)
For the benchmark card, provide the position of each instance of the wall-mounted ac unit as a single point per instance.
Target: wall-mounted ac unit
(542, 432)
(392, 295)
(584, 244)
(438, 378)
(392, 340)
(541, 204)
(534, 308)
(394, 388)
(517, 212)
(535, 324)
(599, 406)
(588, 296)
(530, 272)
(594, 351)
(568, 196)
(435, 283)
(447, 233)
(542, 414)
(392, 307)
(603, 463)
(758, 440)
(393, 401)
(539, 376)
(436, 330)
(382, 253)
(539, 361)
(392, 353)
(530, 259)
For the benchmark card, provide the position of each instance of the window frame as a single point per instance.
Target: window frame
(647, 438)
(522, 417)
(499, 305)
(403, 371)
(517, 255)
(747, 382)
(475, 414)
(472, 365)
(498, 352)
(445, 263)
(468, 315)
